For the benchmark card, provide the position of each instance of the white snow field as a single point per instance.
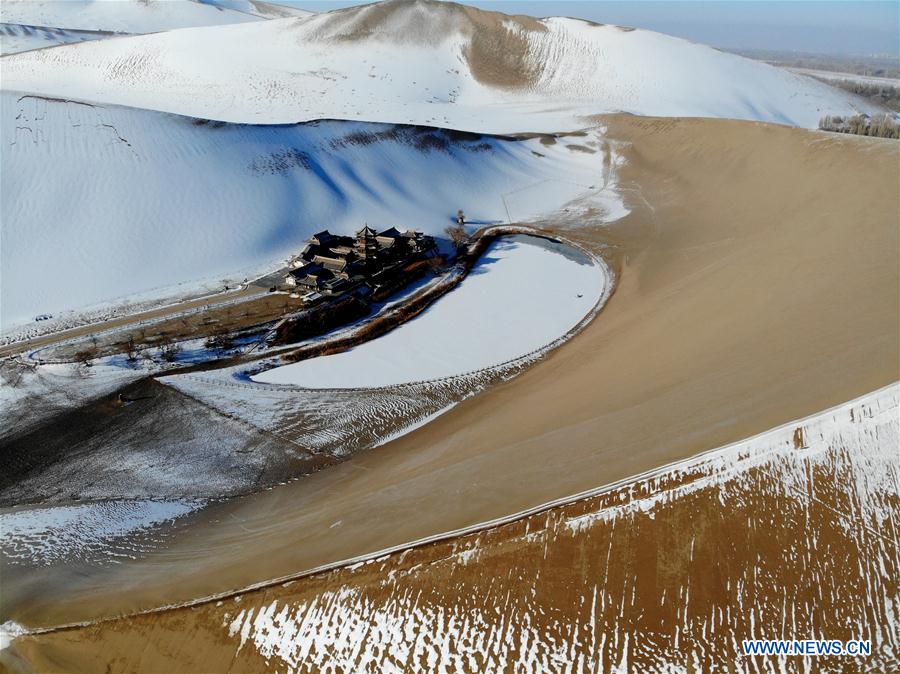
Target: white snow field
(123, 16)
(424, 62)
(99, 203)
(523, 294)
(127, 201)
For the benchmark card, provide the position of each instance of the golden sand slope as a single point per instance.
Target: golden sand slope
(758, 284)
(788, 535)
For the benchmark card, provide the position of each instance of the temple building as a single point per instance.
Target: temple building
(332, 264)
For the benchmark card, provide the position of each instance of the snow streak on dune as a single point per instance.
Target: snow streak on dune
(87, 531)
(424, 62)
(676, 566)
(789, 534)
(103, 202)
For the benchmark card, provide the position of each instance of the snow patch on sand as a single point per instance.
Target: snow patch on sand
(390, 620)
(419, 423)
(9, 631)
(45, 536)
(30, 393)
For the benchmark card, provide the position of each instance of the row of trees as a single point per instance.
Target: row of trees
(168, 349)
(880, 126)
(884, 94)
(319, 320)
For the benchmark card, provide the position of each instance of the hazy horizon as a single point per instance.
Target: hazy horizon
(871, 27)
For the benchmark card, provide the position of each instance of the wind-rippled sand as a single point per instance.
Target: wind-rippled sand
(790, 534)
(90, 531)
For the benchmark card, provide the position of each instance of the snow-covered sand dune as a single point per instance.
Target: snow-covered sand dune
(36, 24)
(120, 201)
(424, 62)
(15, 37)
(521, 295)
(103, 202)
(265, 10)
(125, 16)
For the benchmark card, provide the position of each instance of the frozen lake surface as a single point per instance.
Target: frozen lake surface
(522, 294)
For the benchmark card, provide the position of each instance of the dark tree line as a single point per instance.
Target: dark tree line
(884, 94)
(879, 126)
(320, 320)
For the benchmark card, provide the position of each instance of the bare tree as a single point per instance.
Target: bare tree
(169, 348)
(220, 340)
(131, 350)
(436, 264)
(457, 234)
(86, 356)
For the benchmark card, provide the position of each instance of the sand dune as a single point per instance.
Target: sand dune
(122, 16)
(757, 283)
(677, 566)
(145, 201)
(16, 37)
(754, 288)
(37, 24)
(266, 10)
(424, 62)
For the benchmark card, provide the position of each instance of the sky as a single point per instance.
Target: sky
(829, 27)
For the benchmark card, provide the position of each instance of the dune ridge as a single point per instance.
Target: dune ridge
(424, 62)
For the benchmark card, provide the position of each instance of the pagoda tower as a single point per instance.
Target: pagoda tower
(366, 246)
